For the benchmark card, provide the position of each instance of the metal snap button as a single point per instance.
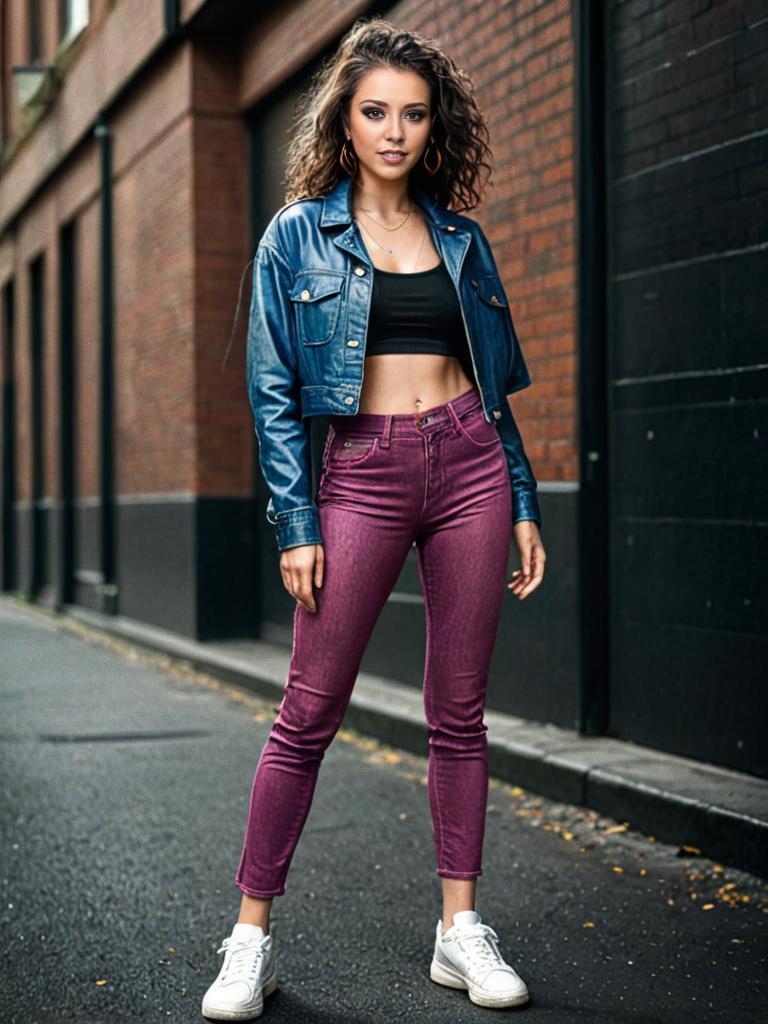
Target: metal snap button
(497, 414)
(451, 227)
(305, 294)
(353, 343)
(349, 400)
(359, 271)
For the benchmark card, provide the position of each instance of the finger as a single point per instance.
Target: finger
(305, 590)
(295, 586)
(537, 575)
(319, 566)
(525, 561)
(286, 579)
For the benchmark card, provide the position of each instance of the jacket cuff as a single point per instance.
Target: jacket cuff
(297, 526)
(525, 505)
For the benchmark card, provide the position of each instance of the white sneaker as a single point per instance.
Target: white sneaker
(246, 976)
(467, 956)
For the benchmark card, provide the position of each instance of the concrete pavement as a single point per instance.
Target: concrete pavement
(125, 779)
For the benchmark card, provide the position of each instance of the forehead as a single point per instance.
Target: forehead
(392, 86)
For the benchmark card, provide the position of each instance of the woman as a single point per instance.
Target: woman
(376, 304)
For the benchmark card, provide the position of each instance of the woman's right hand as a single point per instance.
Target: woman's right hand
(300, 567)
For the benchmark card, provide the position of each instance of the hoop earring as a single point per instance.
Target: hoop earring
(429, 169)
(348, 160)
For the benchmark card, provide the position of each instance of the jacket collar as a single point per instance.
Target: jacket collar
(337, 210)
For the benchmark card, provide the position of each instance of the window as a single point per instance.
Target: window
(73, 17)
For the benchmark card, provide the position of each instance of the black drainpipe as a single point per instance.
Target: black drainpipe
(593, 401)
(172, 20)
(106, 412)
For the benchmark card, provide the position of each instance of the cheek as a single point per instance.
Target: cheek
(366, 132)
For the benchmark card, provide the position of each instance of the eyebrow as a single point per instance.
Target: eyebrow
(382, 103)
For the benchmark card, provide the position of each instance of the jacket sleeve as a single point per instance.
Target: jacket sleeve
(525, 502)
(274, 394)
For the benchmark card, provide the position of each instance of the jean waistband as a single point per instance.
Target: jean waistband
(385, 425)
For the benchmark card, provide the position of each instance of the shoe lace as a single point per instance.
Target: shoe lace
(245, 957)
(479, 942)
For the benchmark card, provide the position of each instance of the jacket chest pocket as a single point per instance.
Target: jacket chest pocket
(493, 309)
(490, 290)
(317, 297)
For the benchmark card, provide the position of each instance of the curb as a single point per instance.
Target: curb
(721, 812)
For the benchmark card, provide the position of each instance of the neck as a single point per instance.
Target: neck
(383, 199)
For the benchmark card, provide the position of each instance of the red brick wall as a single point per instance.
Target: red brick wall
(520, 57)
(181, 240)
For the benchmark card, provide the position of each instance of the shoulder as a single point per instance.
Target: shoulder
(289, 220)
(464, 222)
(474, 227)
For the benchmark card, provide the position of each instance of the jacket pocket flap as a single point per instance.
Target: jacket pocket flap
(319, 285)
(490, 290)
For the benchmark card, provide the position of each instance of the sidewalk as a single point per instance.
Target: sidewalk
(722, 813)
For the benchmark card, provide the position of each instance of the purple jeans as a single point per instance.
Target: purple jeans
(439, 480)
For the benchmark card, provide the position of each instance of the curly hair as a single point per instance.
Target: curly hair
(459, 128)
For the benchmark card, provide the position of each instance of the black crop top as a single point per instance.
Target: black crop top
(417, 312)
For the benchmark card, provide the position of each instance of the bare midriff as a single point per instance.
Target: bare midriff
(415, 381)
(410, 382)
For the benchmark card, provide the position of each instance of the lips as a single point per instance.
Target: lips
(392, 152)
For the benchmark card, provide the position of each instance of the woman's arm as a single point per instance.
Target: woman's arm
(525, 501)
(524, 486)
(274, 393)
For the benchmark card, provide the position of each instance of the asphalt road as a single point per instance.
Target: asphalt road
(125, 781)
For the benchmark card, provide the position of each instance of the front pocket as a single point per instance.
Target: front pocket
(476, 428)
(348, 450)
(317, 297)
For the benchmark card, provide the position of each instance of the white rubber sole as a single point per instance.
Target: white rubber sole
(217, 1013)
(445, 976)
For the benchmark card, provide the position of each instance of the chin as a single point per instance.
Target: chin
(388, 173)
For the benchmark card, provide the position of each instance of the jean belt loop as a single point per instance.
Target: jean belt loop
(328, 442)
(454, 416)
(386, 433)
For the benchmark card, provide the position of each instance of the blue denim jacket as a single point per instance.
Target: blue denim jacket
(312, 285)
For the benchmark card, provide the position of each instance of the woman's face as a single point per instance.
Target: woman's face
(389, 111)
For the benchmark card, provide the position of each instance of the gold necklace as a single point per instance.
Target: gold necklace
(362, 209)
(390, 251)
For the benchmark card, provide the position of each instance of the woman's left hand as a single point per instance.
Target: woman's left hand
(532, 559)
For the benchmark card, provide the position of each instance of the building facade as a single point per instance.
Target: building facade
(142, 156)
